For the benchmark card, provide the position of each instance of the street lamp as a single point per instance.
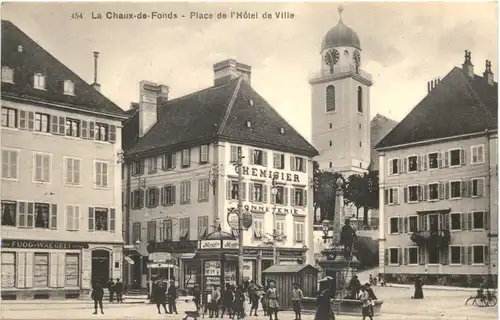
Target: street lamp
(274, 192)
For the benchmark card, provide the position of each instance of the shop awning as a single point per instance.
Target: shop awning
(129, 260)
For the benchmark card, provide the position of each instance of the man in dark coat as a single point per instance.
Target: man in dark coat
(118, 289)
(323, 301)
(354, 286)
(159, 296)
(197, 297)
(111, 285)
(227, 301)
(97, 295)
(172, 297)
(347, 238)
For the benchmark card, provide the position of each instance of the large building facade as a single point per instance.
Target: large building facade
(439, 183)
(61, 184)
(184, 178)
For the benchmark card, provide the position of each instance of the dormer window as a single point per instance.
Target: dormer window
(248, 124)
(69, 87)
(250, 102)
(7, 74)
(282, 130)
(20, 48)
(39, 81)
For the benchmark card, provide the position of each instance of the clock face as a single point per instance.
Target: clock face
(332, 57)
(357, 58)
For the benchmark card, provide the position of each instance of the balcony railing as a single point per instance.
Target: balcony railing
(432, 239)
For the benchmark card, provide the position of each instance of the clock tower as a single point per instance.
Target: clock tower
(341, 104)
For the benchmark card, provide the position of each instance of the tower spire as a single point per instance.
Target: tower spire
(340, 9)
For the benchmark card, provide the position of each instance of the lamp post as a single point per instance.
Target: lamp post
(274, 192)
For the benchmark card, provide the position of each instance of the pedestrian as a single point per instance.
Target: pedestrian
(97, 295)
(273, 303)
(297, 297)
(323, 302)
(172, 297)
(347, 238)
(118, 289)
(159, 296)
(214, 303)
(238, 304)
(265, 303)
(372, 296)
(110, 289)
(227, 301)
(354, 286)
(253, 296)
(197, 297)
(381, 280)
(366, 303)
(419, 293)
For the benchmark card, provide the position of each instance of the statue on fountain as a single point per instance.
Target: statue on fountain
(347, 238)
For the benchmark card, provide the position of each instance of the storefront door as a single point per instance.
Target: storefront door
(100, 267)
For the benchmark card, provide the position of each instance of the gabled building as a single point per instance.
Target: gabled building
(61, 185)
(439, 182)
(181, 176)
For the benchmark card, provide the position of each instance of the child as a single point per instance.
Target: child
(297, 297)
(264, 303)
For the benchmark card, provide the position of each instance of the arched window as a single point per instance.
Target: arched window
(330, 98)
(360, 99)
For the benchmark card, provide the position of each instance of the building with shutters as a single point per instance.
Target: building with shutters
(180, 176)
(439, 182)
(60, 195)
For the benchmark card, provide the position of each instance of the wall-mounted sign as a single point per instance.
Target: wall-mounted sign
(246, 219)
(218, 244)
(31, 244)
(160, 256)
(233, 219)
(261, 208)
(186, 246)
(263, 173)
(230, 244)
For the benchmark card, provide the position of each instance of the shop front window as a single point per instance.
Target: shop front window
(41, 270)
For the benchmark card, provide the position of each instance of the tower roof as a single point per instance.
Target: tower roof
(340, 36)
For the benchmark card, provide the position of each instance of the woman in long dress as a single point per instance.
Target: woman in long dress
(323, 303)
(273, 304)
(419, 293)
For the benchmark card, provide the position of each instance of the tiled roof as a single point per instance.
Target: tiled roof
(295, 268)
(456, 106)
(379, 127)
(221, 112)
(34, 59)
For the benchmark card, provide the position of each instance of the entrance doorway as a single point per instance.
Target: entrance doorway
(100, 267)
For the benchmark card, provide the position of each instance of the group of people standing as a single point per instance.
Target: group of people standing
(163, 294)
(98, 293)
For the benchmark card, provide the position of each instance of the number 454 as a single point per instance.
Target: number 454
(77, 15)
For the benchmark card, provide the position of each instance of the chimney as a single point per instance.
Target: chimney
(96, 85)
(432, 84)
(230, 69)
(488, 74)
(150, 93)
(467, 66)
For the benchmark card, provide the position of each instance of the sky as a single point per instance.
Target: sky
(404, 45)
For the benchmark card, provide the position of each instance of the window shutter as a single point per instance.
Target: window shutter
(421, 255)
(147, 198)
(480, 187)
(22, 119)
(132, 200)
(141, 198)
(21, 221)
(76, 212)
(421, 223)
(250, 156)
(425, 192)
(462, 156)
(85, 130)
(173, 194)
(142, 166)
(174, 159)
(304, 197)
(405, 261)
(419, 193)
(112, 134)
(234, 154)
(405, 194)
(469, 255)
(112, 219)
(91, 130)
(463, 221)
(405, 165)
(395, 195)
(446, 223)
(264, 158)
(400, 166)
(405, 229)
(469, 220)
(292, 196)
(53, 216)
(386, 196)
(264, 193)
(486, 219)
(463, 258)
(386, 256)
(424, 162)
(250, 192)
(440, 159)
(486, 255)
(400, 225)
(272, 197)
(244, 191)
(157, 197)
(441, 191)
(304, 164)
(91, 219)
(467, 188)
(62, 125)
(446, 159)
(55, 124)
(162, 196)
(31, 120)
(391, 167)
(285, 195)
(292, 163)
(419, 163)
(30, 215)
(400, 256)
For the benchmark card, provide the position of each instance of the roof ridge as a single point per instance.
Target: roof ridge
(197, 92)
(475, 94)
(229, 106)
